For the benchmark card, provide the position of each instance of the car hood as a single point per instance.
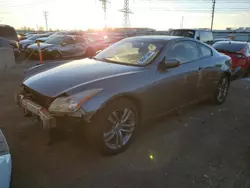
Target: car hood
(25, 42)
(42, 45)
(74, 75)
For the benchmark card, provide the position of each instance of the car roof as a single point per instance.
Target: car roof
(222, 38)
(157, 37)
(232, 42)
(192, 29)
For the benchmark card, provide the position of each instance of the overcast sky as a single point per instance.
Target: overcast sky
(158, 14)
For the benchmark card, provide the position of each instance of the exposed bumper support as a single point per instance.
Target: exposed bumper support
(47, 119)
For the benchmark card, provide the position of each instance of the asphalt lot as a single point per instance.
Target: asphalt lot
(203, 146)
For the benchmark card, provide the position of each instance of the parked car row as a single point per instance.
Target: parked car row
(68, 46)
(23, 44)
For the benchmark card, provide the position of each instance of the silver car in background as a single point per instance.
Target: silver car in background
(5, 163)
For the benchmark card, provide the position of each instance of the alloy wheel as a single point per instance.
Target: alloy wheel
(222, 89)
(122, 124)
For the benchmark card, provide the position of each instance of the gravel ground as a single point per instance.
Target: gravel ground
(203, 146)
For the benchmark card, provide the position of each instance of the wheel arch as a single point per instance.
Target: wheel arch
(129, 96)
(56, 51)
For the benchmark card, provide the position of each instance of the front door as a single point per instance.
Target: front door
(187, 74)
(67, 48)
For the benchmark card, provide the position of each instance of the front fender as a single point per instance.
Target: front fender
(98, 102)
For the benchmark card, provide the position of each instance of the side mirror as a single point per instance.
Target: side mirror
(170, 63)
(198, 38)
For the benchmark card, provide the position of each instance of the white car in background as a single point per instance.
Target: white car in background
(5, 163)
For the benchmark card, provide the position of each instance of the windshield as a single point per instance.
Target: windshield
(54, 40)
(183, 33)
(229, 47)
(34, 37)
(132, 52)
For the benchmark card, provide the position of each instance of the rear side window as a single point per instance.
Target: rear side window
(183, 33)
(229, 46)
(80, 40)
(206, 36)
(205, 51)
(185, 51)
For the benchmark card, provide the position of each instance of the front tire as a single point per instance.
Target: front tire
(56, 55)
(114, 127)
(222, 90)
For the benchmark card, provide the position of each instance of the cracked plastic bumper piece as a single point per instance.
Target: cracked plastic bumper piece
(47, 119)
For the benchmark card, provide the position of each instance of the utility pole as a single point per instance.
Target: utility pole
(182, 20)
(126, 11)
(45, 13)
(213, 7)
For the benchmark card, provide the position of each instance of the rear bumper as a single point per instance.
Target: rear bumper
(47, 119)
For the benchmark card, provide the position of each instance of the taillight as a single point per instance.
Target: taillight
(240, 56)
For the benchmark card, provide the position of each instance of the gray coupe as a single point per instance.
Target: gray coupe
(128, 83)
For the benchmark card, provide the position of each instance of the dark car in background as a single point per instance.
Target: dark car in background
(221, 39)
(23, 44)
(239, 53)
(198, 34)
(9, 33)
(125, 85)
(61, 46)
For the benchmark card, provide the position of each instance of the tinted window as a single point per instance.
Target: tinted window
(229, 46)
(205, 51)
(183, 33)
(69, 40)
(185, 51)
(80, 40)
(206, 36)
(55, 40)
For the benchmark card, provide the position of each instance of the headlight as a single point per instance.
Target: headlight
(72, 103)
(4, 149)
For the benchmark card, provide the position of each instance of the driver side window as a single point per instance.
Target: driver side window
(69, 41)
(185, 51)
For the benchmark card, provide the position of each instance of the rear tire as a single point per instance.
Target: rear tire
(114, 127)
(221, 90)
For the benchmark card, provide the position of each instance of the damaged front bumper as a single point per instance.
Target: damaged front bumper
(48, 120)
